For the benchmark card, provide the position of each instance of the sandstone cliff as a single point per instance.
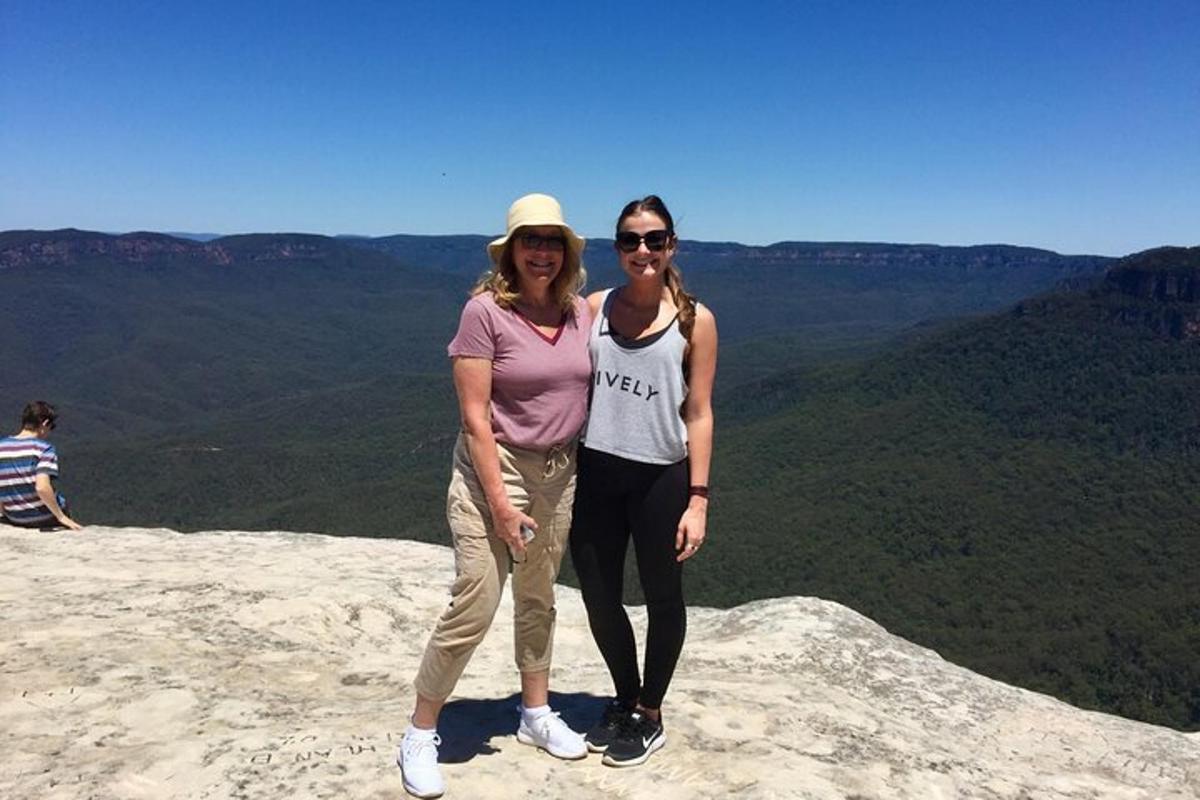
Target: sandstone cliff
(148, 664)
(1164, 290)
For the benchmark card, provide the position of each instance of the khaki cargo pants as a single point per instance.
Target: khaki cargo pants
(543, 486)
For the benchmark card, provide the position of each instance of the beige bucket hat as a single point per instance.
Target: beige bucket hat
(535, 209)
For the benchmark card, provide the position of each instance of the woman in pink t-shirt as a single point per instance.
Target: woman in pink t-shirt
(521, 371)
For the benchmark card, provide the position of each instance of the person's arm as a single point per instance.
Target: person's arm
(473, 382)
(698, 417)
(594, 300)
(45, 493)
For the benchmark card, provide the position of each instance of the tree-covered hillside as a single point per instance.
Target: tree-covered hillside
(1017, 491)
(138, 334)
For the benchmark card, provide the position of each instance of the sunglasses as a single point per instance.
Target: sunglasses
(656, 241)
(532, 241)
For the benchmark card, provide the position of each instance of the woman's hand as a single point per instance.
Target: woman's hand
(473, 383)
(507, 522)
(689, 536)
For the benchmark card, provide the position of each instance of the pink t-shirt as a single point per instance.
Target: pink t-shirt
(539, 385)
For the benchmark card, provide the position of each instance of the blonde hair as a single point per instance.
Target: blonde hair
(502, 280)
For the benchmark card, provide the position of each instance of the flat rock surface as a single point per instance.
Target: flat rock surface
(149, 664)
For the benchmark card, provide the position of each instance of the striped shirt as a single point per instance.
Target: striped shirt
(21, 461)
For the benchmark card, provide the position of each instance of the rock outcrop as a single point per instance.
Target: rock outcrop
(150, 664)
(71, 246)
(1163, 287)
(1166, 274)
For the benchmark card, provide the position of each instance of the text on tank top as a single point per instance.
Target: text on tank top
(637, 392)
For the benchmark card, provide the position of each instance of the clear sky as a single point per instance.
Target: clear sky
(1073, 126)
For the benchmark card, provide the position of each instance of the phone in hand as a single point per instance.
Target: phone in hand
(526, 537)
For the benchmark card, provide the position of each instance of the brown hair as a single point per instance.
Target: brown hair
(502, 280)
(37, 413)
(685, 302)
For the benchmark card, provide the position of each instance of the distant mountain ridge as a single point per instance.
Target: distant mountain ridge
(199, 237)
(70, 246)
(873, 288)
(466, 252)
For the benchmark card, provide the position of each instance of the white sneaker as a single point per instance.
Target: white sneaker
(551, 734)
(417, 757)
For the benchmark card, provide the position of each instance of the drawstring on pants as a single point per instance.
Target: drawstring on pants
(557, 457)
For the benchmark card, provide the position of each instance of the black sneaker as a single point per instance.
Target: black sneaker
(637, 739)
(604, 732)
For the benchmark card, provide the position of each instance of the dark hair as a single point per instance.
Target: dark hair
(36, 413)
(685, 302)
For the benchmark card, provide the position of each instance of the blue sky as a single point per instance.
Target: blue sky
(1073, 126)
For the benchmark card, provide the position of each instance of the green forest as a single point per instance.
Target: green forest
(1018, 493)
(946, 440)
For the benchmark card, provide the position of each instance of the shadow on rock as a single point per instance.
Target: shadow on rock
(468, 726)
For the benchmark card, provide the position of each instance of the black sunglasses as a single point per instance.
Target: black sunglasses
(533, 241)
(656, 241)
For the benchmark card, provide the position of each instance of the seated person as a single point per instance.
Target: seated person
(28, 462)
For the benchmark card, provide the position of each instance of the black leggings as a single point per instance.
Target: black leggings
(616, 499)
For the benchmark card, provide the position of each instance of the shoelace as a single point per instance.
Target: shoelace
(550, 724)
(550, 720)
(556, 458)
(638, 726)
(615, 716)
(417, 746)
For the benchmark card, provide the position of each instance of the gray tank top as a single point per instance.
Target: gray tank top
(637, 393)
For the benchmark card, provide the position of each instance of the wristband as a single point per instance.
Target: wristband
(698, 491)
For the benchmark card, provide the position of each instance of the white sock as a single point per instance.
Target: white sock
(414, 732)
(531, 714)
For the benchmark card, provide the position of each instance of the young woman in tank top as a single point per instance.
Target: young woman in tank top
(643, 471)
